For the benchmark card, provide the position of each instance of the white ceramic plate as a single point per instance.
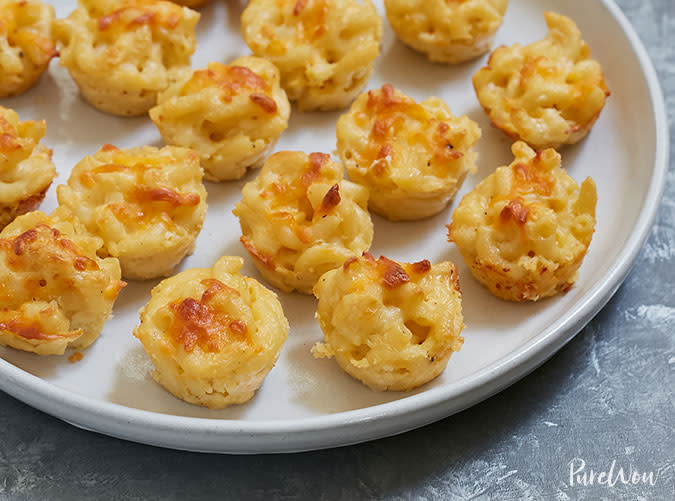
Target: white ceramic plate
(307, 403)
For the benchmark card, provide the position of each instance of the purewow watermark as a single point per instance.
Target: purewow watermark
(580, 475)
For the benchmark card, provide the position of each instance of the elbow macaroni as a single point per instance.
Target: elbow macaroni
(412, 157)
(122, 53)
(146, 204)
(392, 326)
(548, 93)
(55, 292)
(447, 31)
(241, 113)
(26, 45)
(26, 166)
(299, 219)
(525, 229)
(324, 49)
(213, 335)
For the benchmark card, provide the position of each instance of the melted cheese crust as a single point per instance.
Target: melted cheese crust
(193, 4)
(242, 112)
(446, 31)
(212, 334)
(324, 48)
(26, 168)
(147, 204)
(54, 291)
(392, 326)
(121, 53)
(525, 229)
(26, 45)
(412, 157)
(547, 93)
(299, 219)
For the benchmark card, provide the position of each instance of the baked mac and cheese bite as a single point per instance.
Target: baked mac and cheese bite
(446, 31)
(231, 115)
(412, 157)
(212, 334)
(324, 48)
(392, 326)
(121, 53)
(26, 166)
(146, 204)
(299, 219)
(26, 45)
(548, 93)
(54, 290)
(525, 229)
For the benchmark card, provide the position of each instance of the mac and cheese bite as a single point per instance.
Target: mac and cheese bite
(146, 204)
(446, 31)
(548, 93)
(241, 112)
(412, 157)
(324, 48)
(26, 166)
(212, 334)
(299, 219)
(122, 53)
(26, 45)
(525, 229)
(392, 326)
(54, 290)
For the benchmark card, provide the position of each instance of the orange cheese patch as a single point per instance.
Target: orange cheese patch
(153, 14)
(201, 323)
(389, 114)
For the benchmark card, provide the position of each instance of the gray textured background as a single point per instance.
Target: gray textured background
(606, 396)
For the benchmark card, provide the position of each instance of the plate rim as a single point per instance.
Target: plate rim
(369, 423)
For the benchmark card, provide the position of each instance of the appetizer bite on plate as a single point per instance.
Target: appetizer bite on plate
(231, 115)
(146, 204)
(26, 166)
(121, 53)
(392, 326)
(299, 219)
(26, 45)
(324, 48)
(412, 157)
(54, 290)
(548, 93)
(446, 31)
(212, 334)
(524, 230)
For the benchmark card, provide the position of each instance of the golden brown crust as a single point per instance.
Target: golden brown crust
(524, 230)
(26, 45)
(55, 292)
(202, 323)
(412, 157)
(323, 48)
(447, 32)
(193, 4)
(232, 115)
(212, 334)
(391, 325)
(299, 218)
(26, 166)
(122, 53)
(147, 204)
(548, 93)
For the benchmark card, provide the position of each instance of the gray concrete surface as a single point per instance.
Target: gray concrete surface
(606, 397)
